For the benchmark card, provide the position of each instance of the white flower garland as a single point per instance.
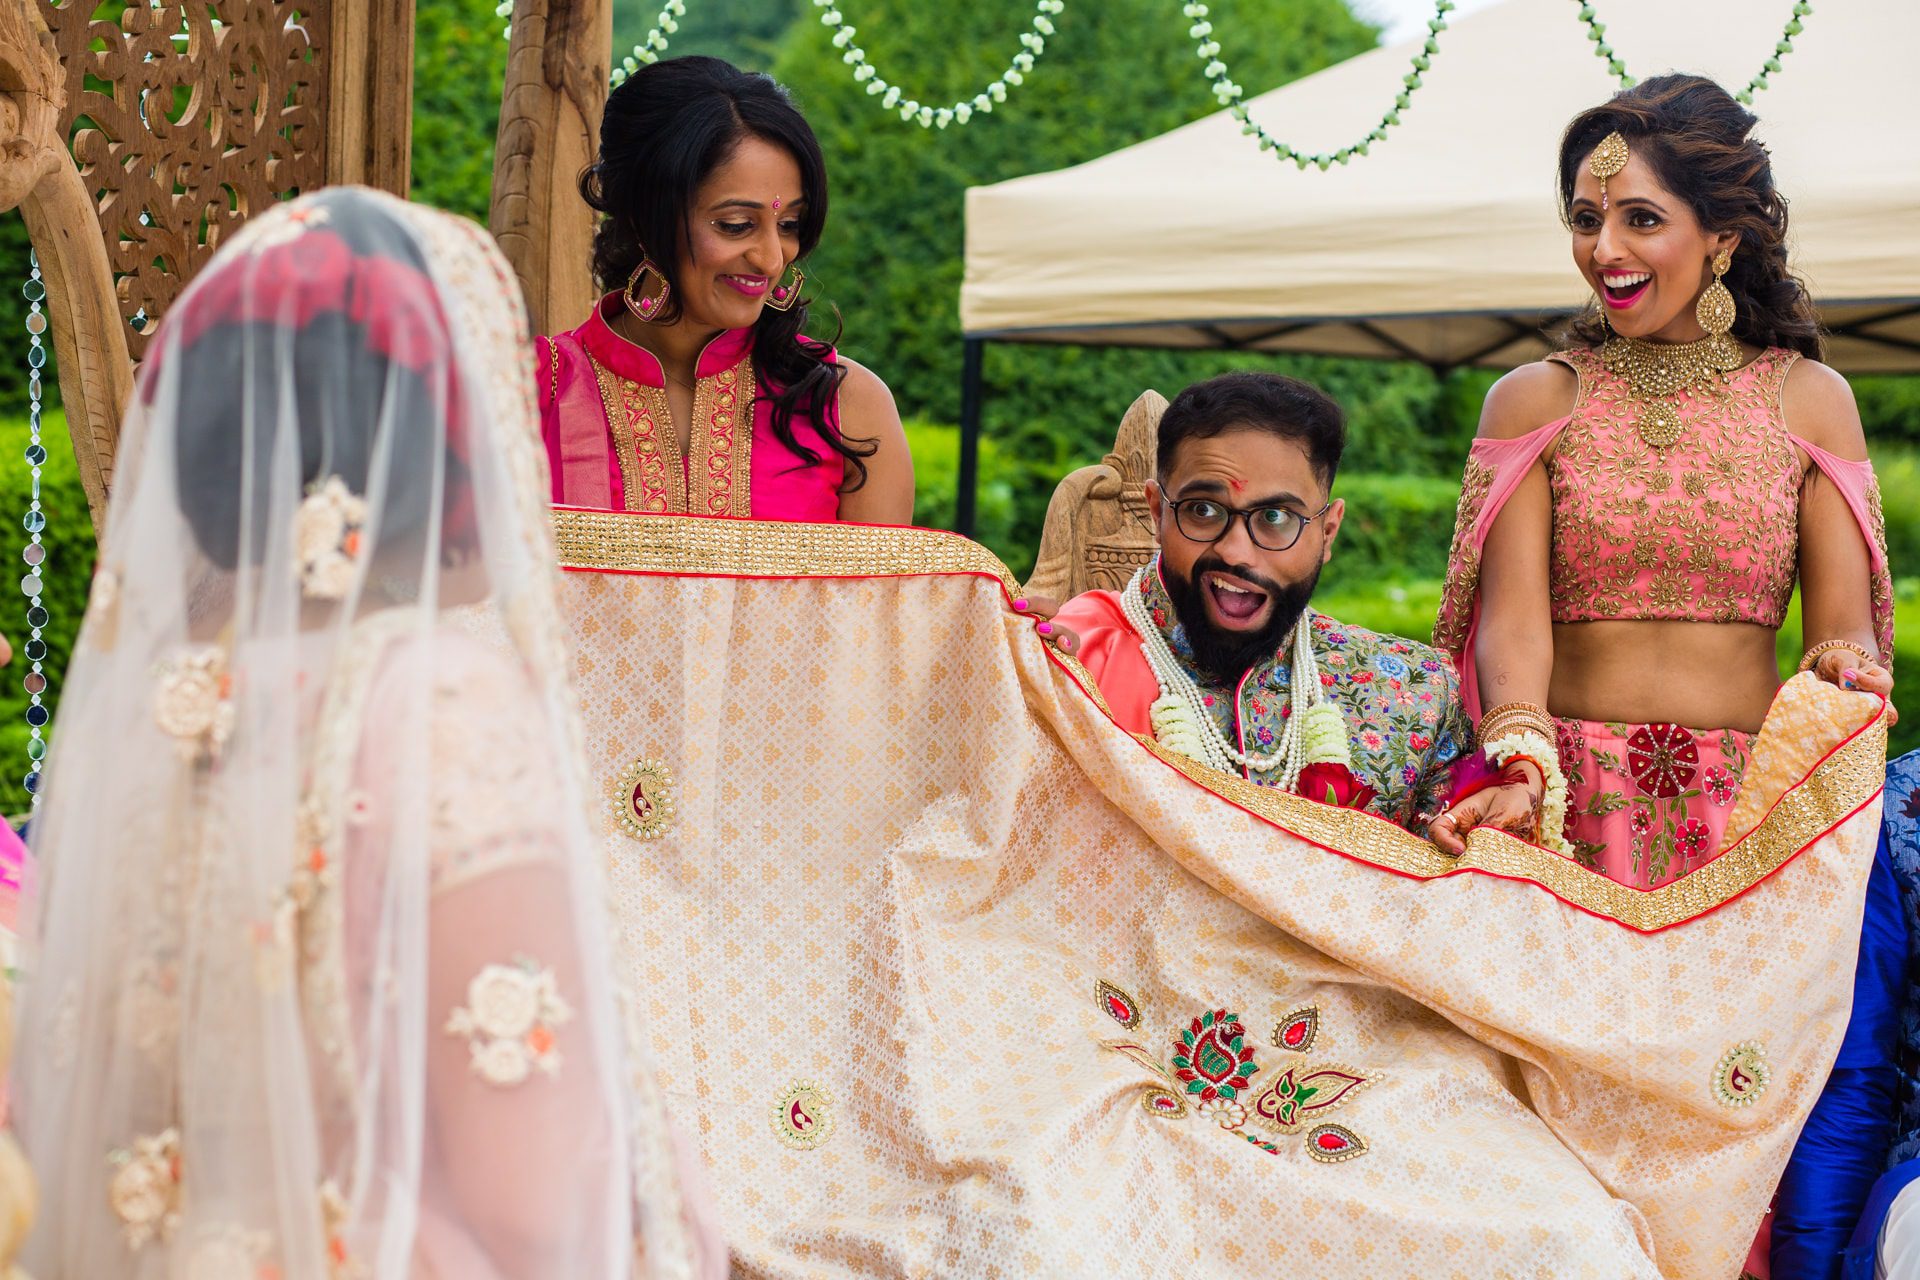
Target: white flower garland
(1230, 94)
(1553, 805)
(1316, 732)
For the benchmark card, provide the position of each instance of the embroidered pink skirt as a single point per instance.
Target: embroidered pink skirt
(1648, 803)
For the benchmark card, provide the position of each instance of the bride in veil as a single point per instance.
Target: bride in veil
(320, 980)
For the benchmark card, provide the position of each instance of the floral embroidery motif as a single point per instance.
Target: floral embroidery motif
(334, 1213)
(1663, 759)
(1333, 1143)
(1163, 1104)
(1741, 1075)
(231, 1253)
(803, 1115)
(1117, 1004)
(102, 620)
(327, 533)
(145, 1187)
(1291, 1102)
(1721, 785)
(642, 799)
(1296, 1031)
(1212, 1058)
(1228, 1115)
(509, 1020)
(194, 702)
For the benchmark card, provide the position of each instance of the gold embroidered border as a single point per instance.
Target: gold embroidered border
(620, 541)
(649, 462)
(1841, 783)
(722, 471)
(1845, 780)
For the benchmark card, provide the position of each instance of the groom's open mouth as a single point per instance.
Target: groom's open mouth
(1236, 604)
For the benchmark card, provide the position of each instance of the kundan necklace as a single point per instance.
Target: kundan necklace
(1658, 372)
(1315, 733)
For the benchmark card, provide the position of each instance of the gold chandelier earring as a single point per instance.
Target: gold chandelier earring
(646, 307)
(1715, 310)
(786, 292)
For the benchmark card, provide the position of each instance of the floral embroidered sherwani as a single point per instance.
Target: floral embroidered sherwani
(1400, 698)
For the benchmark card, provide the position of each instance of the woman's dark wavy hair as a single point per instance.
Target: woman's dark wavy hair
(1698, 141)
(665, 129)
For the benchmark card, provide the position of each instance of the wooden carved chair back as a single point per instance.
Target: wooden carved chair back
(1097, 531)
(133, 147)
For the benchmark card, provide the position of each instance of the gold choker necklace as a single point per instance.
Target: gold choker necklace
(1657, 372)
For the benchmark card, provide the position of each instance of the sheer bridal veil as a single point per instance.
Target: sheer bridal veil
(320, 980)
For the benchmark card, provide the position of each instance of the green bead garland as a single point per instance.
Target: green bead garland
(1231, 96)
(1597, 33)
(1033, 43)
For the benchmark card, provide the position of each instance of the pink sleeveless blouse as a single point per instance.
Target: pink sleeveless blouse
(611, 443)
(1705, 530)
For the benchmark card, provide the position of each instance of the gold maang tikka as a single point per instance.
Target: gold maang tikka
(1608, 159)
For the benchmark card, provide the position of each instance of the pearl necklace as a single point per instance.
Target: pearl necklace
(1179, 692)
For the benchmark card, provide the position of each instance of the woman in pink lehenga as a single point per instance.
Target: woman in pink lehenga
(1637, 506)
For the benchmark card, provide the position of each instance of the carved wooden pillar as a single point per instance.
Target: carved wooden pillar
(557, 65)
(369, 136)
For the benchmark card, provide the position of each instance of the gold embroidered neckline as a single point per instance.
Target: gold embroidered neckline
(1657, 373)
(713, 476)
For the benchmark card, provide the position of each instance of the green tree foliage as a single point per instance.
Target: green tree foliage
(459, 66)
(1114, 74)
(744, 32)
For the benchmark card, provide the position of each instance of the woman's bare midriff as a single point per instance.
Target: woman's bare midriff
(1698, 674)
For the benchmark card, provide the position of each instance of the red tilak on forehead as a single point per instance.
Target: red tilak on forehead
(1236, 485)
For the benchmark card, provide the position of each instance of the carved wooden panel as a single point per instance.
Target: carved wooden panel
(556, 88)
(1098, 531)
(191, 117)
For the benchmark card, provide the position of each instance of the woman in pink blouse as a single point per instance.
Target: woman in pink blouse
(1639, 506)
(692, 388)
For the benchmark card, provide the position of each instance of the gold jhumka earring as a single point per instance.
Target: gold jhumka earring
(1715, 310)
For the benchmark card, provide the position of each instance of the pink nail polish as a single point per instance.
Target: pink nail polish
(1045, 628)
(1850, 674)
(1020, 605)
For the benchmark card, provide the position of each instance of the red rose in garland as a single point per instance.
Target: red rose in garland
(1334, 784)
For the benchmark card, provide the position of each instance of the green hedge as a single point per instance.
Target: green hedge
(1395, 528)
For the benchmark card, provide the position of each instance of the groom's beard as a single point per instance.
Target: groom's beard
(1225, 656)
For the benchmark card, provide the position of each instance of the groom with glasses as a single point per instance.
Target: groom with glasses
(1212, 649)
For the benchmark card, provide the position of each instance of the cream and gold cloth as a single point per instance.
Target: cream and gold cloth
(891, 846)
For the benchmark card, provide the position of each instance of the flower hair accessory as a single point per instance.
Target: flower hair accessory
(327, 538)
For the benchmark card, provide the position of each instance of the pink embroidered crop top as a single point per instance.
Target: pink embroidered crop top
(1705, 530)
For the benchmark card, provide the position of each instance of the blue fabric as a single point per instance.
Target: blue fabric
(1857, 1263)
(1900, 833)
(1844, 1145)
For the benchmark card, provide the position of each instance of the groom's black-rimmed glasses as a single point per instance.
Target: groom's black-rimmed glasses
(1271, 528)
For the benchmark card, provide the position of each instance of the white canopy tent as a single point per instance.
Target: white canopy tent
(1445, 245)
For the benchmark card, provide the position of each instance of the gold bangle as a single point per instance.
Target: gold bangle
(1508, 716)
(1813, 655)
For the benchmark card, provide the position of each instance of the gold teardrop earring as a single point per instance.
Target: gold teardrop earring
(1716, 313)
